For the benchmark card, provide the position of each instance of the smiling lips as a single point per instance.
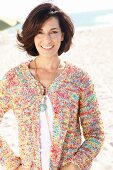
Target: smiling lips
(47, 47)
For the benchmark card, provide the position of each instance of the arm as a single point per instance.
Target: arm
(92, 126)
(7, 157)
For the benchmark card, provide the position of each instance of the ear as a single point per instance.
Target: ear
(62, 36)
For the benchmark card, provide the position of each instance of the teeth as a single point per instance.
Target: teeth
(47, 47)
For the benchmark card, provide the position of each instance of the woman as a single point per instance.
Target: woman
(51, 99)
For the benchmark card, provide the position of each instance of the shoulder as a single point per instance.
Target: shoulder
(76, 71)
(78, 75)
(13, 74)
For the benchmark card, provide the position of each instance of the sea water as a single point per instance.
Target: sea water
(93, 18)
(82, 20)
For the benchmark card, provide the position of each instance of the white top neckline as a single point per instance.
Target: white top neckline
(44, 134)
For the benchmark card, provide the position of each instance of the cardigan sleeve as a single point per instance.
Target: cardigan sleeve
(92, 125)
(7, 158)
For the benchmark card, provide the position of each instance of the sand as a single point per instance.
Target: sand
(92, 50)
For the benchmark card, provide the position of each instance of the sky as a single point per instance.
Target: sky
(19, 9)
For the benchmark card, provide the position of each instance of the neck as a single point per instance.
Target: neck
(47, 63)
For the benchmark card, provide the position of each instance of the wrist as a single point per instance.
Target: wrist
(73, 165)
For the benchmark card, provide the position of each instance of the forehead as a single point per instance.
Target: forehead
(50, 23)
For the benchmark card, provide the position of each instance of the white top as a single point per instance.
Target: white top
(44, 134)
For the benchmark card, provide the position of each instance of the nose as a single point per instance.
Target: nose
(47, 38)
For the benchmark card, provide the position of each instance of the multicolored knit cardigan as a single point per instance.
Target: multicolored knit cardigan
(75, 109)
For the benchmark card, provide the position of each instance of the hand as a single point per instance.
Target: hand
(19, 168)
(70, 166)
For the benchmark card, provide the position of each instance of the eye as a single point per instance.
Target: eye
(54, 32)
(40, 32)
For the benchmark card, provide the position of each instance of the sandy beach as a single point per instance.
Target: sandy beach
(92, 50)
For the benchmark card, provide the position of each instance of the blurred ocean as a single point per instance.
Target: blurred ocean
(93, 18)
(82, 20)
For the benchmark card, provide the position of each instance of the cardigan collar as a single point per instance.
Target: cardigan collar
(58, 80)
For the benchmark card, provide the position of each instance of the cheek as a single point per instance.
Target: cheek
(62, 38)
(59, 40)
(59, 43)
(36, 41)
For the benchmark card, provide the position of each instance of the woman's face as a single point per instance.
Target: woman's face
(48, 38)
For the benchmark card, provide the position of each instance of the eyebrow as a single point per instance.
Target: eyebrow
(52, 29)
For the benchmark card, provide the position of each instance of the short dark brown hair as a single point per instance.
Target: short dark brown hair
(35, 20)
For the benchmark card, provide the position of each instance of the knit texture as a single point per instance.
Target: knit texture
(75, 107)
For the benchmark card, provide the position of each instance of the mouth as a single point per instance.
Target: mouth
(47, 47)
